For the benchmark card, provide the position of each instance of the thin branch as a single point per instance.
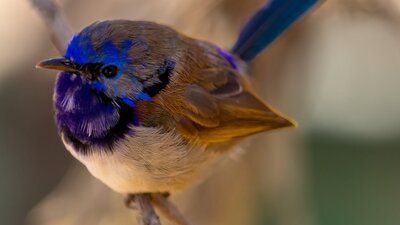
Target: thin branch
(168, 210)
(60, 32)
(146, 213)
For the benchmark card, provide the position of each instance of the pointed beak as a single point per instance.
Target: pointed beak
(61, 64)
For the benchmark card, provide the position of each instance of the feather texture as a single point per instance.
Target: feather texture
(268, 24)
(173, 106)
(220, 106)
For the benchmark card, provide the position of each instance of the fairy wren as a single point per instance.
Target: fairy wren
(148, 109)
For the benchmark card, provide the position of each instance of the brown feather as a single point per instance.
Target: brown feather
(208, 101)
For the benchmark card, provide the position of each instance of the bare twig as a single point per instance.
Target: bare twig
(168, 210)
(146, 213)
(56, 24)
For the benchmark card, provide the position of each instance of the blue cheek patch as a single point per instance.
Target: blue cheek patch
(143, 96)
(128, 102)
(140, 96)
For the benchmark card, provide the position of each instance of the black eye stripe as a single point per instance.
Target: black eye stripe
(164, 73)
(91, 68)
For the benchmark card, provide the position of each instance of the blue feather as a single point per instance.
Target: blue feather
(268, 24)
(129, 102)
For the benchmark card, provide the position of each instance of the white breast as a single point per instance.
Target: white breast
(149, 161)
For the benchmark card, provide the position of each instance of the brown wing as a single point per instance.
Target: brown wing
(221, 107)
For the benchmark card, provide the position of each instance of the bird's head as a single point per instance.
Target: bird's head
(119, 59)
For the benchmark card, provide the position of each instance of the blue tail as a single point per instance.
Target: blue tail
(267, 24)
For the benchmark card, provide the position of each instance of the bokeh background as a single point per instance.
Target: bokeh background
(337, 72)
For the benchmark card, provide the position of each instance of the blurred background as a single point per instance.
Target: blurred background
(337, 72)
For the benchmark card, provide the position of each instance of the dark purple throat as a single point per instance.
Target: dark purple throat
(87, 119)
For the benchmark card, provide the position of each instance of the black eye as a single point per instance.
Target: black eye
(110, 71)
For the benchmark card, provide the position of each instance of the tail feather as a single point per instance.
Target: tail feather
(268, 24)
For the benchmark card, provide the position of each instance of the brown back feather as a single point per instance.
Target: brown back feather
(209, 102)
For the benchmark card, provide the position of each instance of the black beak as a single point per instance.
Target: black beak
(61, 64)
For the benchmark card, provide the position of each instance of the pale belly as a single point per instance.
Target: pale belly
(150, 161)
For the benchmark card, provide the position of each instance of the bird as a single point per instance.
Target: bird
(148, 109)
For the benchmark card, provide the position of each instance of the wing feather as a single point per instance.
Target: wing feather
(220, 107)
